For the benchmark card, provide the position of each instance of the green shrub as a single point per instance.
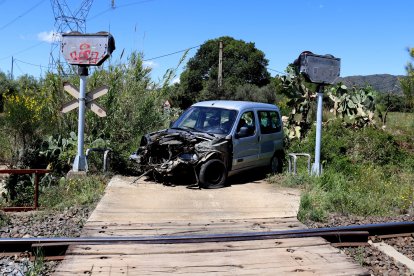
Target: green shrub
(73, 192)
(312, 206)
(20, 190)
(366, 173)
(4, 219)
(371, 145)
(341, 145)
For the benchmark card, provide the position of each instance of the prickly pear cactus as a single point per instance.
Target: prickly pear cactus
(357, 104)
(300, 95)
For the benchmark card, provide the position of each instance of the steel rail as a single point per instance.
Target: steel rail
(57, 246)
(340, 232)
(177, 239)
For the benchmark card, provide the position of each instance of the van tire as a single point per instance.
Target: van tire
(213, 174)
(276, 164)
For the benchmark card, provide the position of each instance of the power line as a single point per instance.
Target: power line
(149, 59)
(24, 50)
(165, 55)
(21, 15)
(170, 54)
(20, 69)
(118, 7)
(270, 69)
(32, 64)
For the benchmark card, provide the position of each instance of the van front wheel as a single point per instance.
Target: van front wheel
(213, 174)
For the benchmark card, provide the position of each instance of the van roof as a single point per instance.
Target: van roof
(236, 105)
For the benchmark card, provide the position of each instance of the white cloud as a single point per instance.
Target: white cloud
(49, 37)
(150, 64)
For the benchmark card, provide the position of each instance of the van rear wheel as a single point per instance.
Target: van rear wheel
(276, 164)
(213, 174)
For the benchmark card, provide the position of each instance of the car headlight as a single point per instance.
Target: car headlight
(188, 157)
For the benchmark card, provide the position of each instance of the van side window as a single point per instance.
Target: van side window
(247, 120)
(269, 122)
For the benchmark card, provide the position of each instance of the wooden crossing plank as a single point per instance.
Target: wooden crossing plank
(185, 228)
(145, 209)
(151, 249)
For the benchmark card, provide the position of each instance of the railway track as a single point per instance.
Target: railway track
(201, 232)
(366, 235)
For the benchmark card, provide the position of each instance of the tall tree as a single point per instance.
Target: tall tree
(243, 64)
(7, 86)
(407, 83)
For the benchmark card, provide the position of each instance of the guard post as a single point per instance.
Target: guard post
(84, 50)
(320, 70)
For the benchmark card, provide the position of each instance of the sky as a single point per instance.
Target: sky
(370, 36)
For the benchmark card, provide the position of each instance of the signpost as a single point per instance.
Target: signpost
(85, 50)
(321, 70)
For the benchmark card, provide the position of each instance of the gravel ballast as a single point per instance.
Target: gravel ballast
(66, 223)
(374, 260)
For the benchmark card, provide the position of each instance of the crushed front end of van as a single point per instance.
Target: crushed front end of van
(175, 154)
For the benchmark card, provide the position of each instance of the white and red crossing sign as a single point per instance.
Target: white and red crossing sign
(89, 99)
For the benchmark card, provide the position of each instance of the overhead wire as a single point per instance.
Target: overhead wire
(96, 15)
(117, 7)
(173, 53)
(20, 69)
(277, 71)
(24, 50)
(149, 59)
(21, 15)
(32, 64)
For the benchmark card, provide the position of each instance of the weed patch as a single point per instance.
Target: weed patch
(366, 173)
(73, 192)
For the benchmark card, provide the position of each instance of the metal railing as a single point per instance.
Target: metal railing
(294, 157)
(105, 152)
(36, 173)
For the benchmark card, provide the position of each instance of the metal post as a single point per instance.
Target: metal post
(36, 191)
(80, 163)
(316, 167)
(11, 72)
(220, 66)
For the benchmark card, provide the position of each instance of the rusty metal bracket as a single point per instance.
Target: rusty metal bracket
(36, 173)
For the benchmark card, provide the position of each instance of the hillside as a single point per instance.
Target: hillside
(384, 83)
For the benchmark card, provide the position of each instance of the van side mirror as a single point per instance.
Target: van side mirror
(243, 132)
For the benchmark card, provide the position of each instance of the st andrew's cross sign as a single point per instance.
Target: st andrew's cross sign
(89, 99)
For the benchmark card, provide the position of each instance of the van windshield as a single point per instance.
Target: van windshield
(207, 119)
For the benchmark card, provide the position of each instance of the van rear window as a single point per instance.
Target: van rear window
(269, 122)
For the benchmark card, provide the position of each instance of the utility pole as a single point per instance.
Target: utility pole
(220, 65)
(11, 72)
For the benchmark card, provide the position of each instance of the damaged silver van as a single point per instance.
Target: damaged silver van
(212, 140)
